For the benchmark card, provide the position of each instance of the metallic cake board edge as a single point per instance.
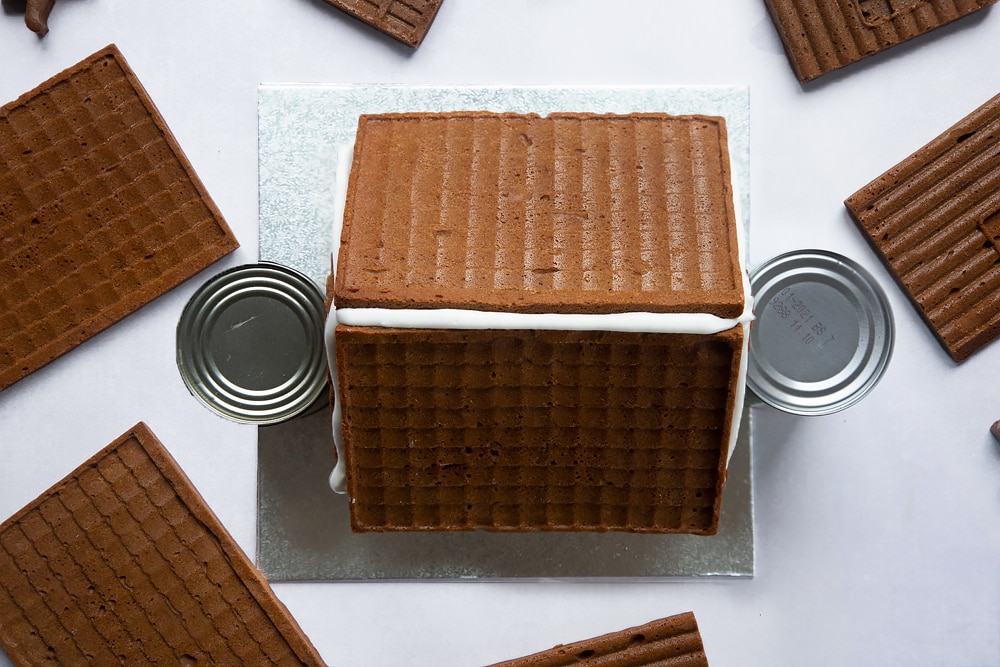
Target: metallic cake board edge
(303, 530)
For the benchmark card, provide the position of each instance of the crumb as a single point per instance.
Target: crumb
(36, 15)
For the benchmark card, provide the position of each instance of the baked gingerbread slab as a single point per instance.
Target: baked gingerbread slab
(406, 21)
(571, 212)
(122, 562)
(674, 641)
(526, 429)
(821, 36)
(934, 220)
(100, 211)
(536, 430)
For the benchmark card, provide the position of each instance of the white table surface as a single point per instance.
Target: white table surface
(878, 528)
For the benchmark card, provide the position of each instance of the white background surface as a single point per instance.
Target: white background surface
(878, 529)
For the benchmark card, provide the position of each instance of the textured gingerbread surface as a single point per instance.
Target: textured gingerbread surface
(536, 430)
(404, 20)
(934, 220)
(566, 213)
(100, 212)
(123, 563)
(669, 642)
(820, 36)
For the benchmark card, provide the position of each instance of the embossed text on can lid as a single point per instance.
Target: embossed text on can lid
(822, 335)
(250, 343)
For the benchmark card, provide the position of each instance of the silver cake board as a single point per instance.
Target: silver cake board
(303, 530)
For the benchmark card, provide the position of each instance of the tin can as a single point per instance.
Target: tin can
(250, 344)
(823, 332)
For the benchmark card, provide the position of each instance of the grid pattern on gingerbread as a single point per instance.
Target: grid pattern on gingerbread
(535, 430)
(406, 21)
(933, 220)
(100, 212)
(122, 563)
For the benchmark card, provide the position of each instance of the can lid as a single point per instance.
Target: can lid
(822, 334)
(250, 343)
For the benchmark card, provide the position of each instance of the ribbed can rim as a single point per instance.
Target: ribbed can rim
(823, 332)
(250, 343)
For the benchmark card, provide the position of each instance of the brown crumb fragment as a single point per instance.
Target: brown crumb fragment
(36, 15)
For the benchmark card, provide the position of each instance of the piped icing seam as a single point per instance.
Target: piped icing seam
(453, 318)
